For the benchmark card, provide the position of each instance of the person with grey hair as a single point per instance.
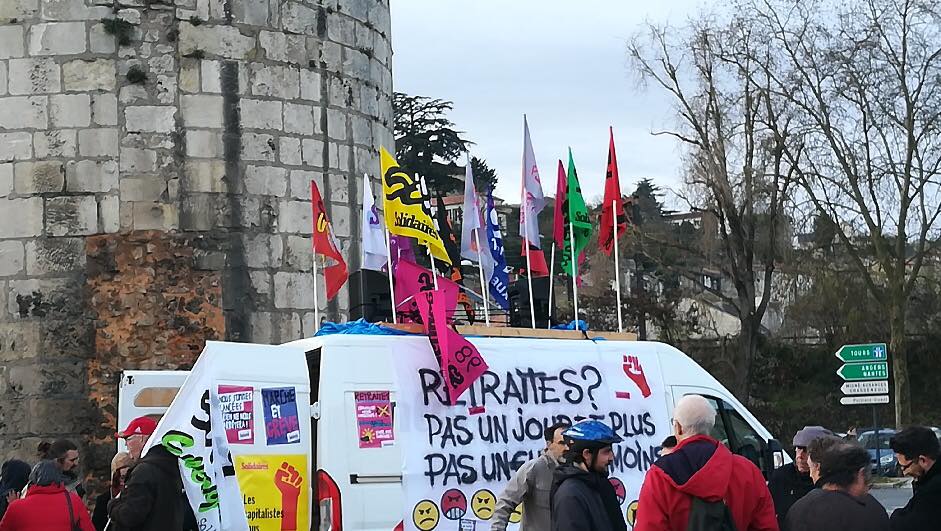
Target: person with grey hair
(702, 479)
(792, 481)
(843, 500)
(48, 505)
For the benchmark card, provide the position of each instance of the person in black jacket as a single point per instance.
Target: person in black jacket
(842, 500)
(13, 477)
(792, 481)
(582, 498)
(917, 450)
(152, 497)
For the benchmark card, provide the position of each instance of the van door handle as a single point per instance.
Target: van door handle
(357, 479)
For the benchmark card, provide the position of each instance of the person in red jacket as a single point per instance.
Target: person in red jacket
(701, 467)
(48, 506)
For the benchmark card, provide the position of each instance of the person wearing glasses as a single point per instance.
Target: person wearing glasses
(792, 481)
(917, 449)
(842, 472)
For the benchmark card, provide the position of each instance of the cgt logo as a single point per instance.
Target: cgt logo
(635, 371)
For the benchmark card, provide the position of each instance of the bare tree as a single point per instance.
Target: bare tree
(864, 81)
(735, 134)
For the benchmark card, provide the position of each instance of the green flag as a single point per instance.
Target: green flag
(576, 213)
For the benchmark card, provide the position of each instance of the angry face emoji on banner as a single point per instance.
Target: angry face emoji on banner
(425, 515)
(454, 504)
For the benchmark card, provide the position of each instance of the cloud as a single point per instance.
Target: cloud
(562, 63)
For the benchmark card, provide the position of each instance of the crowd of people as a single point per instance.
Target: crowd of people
(144, 494)
(695, 484)
(698, 484)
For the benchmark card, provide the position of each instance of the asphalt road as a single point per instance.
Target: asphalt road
(892, 499)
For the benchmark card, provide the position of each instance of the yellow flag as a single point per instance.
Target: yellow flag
(402, 202)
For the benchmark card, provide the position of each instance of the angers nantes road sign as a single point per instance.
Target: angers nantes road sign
(864, 371)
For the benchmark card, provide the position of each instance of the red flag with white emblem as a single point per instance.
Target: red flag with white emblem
(326, 245)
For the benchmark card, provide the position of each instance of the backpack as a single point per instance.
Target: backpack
(710, 516)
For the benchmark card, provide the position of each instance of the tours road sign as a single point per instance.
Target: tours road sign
(874, 387)
(865, 352)
(858, 400)
(877, 370)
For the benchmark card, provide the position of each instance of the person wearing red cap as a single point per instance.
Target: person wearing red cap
(136, 434)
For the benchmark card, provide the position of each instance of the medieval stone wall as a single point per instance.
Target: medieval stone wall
(155, 168)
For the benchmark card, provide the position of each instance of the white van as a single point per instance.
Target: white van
(467, 450)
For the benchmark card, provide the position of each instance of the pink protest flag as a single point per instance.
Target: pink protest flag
(411, 280)
(460, 362)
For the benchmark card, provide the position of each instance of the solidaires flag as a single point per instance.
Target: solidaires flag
(577, 216)
(403, 207)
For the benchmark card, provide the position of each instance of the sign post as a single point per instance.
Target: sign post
(865, 373)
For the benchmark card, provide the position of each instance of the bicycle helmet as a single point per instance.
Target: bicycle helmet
(592, 431)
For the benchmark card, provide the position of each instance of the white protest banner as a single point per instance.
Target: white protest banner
(193, 430)
(457, 458)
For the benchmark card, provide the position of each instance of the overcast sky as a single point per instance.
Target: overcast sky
(562, 63)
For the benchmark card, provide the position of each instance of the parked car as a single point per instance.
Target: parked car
(887, 465)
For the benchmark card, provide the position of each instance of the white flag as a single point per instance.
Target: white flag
(471, 215)
(531, 201)
(374, 243)
(193, 430)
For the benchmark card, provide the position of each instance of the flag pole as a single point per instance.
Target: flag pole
(483, 282)
(389, 267)
(617, 264)
(551, 276)
(574, 272)
(434, 269)
(316, 299)
(529, 265)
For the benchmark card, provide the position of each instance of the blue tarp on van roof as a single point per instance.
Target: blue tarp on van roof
(359, 327)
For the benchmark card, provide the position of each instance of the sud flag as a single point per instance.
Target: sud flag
(374, 248)
(325, 244)
(532, 200)
(576, 216)
(403, 205)
(612, 208)
(411, 280)
(497, 279)
(460, 362)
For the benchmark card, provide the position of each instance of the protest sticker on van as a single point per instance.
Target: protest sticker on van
(374, 419)
(281, 422)
(274, 491)
(458, 458)
(237, 413)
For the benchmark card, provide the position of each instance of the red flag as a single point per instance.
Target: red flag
(411, 280)
(558, 214)
(612, 208)
(537, 260)
(325, 244)
(461, 363)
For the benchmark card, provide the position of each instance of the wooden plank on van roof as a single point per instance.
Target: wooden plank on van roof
(501, 331)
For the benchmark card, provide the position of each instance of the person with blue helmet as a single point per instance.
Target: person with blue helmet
(582, 497)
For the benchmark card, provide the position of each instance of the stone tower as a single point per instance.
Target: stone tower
(155, 168)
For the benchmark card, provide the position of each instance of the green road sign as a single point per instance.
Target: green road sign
(867, 352)
(877, 370)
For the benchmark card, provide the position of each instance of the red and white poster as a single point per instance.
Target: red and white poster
(238, 413)
(374, 419)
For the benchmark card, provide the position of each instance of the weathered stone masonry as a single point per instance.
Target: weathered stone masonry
(155, 168)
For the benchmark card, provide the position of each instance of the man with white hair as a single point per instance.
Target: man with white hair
(701, 482)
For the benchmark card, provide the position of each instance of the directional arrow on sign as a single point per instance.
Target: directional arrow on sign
(858, 400)
(865, 388)
(878, 370)
(865, 352)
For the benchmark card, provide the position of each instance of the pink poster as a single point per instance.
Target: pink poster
(374, 419)
(237, 413)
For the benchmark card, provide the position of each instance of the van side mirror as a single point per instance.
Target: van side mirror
(774, 457)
